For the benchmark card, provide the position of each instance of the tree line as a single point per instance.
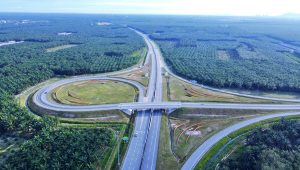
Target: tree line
(275, 147)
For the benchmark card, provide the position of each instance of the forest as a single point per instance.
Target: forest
(46, 144)
(94, 48)
(51, 46)
(274, 147)
(254, 53)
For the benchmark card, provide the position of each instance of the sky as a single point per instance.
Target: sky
(178, 7)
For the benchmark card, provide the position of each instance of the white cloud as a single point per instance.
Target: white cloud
(209, 7)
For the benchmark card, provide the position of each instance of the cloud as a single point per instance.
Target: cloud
(195, 7)
(229, 7)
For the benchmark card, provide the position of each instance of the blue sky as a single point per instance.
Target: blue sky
(179, 7)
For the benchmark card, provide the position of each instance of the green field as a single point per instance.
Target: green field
(94, 92)
(166, 159)
(178, 90)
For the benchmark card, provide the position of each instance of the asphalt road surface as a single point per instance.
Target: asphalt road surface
(142, 150)
(135, 151)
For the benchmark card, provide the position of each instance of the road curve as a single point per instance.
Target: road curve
(208, 144)
(40, 98)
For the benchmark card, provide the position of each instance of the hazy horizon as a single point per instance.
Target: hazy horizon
(155, 7)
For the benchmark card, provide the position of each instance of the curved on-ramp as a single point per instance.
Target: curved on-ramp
(40, 98)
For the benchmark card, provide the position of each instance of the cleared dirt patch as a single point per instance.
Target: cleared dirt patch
(54, 49)
(223, 55)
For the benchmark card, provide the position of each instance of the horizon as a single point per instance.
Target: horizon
(154, 7)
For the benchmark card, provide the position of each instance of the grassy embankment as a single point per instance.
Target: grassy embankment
(140, 75)
(177, 90)
(166, 159)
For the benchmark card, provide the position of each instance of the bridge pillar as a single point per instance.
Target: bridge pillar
(170, 110)
(127, 111)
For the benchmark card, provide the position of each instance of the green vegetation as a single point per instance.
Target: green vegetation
(28, 141)
(232, 52)
(191, 127)
(274, 147)
(98, 49)
(17, 121)
(178, 90)
(81, 148)
(236, 143)
(95, 92)
(165, 159)
(212, 152)
(22, 97)
(31, 142)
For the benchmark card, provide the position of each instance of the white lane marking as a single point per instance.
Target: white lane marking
(153, 155)
(143, 113)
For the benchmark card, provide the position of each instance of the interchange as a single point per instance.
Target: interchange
(142, 150)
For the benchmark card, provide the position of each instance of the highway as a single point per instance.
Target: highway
(135, 150)
(209, 143)
(151, 148)
(143, 146)
(144, 154)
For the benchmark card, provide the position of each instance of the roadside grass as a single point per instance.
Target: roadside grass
(94, 92)
(283, 95)
(191, 127)
(274, 94)
(22, 97)
(182, 91)
(212, 152)
(61, 47)
(140, 75)
(123, 145)
(165, 158)
(239, 134)
(140, 53)
(166, 88)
